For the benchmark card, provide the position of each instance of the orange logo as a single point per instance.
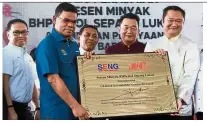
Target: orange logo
(138, 66)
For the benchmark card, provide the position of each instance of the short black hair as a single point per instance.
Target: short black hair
(15, 21)
(32, 53)
(65, 6)
(87, 26)
(130, 16)
(175, 8)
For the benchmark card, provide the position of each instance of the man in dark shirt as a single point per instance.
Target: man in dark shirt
(129, 31)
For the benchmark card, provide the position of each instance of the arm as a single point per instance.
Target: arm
(11, 112)
(35, 99)
(60, 88)
(35, 94)
(152, 47)
(191, 66)
(149, 48)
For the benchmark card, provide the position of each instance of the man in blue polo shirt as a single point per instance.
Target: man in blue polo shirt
(57, 70)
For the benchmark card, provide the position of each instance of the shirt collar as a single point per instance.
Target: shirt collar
(130, 45)
(59, 37)
(17, 49)
(172, 39)
(82, 51)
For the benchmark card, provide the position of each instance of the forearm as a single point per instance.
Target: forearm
(60, 88)
(35, 96)
(190, 69)
(11, 112)
(185, 92)
(7, 89)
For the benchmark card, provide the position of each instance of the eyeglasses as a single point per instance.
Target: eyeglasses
(66, 20)
(18, 33)
(125, 28)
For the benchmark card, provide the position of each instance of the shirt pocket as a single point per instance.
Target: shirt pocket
(66, 63)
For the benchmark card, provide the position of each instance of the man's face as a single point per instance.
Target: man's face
(88, 39)
(65, 23)
(18, 34)
(173, 23)
(129, 30)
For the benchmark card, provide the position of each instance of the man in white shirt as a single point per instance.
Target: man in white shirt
(88, 38)
(183, 56)
(199, 92)
(18, 80)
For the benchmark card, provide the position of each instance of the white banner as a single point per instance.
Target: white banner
(105, 16)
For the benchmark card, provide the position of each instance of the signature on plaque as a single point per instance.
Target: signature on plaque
(128, 93)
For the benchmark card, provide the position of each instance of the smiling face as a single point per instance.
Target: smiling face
(18, 34)
(173, 23)
(88, 39)
(129, 31)
(65, 23)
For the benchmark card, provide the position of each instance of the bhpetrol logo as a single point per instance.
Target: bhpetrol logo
(138, 66)
(108, 67)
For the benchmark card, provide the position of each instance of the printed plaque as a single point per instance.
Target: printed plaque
(126, 85)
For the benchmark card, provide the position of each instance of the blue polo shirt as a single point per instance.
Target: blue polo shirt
(56, 55)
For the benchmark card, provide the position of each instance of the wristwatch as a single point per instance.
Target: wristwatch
(38, 108)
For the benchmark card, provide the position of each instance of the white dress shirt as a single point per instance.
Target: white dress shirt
(184, 63)
(18, 63)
